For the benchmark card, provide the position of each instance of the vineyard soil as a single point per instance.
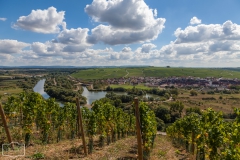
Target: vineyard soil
(123, 149)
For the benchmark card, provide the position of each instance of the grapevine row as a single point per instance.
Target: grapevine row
(208, 136)
(31, 117)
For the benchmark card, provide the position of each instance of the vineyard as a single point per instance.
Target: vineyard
(208, 136)
(32, 119)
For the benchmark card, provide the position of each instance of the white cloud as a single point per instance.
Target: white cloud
(74, 48)
(42, 21)
(155, 12)
(47, 49)
(126, 49)
(73, 36)
(11, 46)
(74, 40)
(195, 20)
(120, 56)
(5, 57)
(203, 32)
(203, 45)
(147, 47)
(128, 21)
(3, 19)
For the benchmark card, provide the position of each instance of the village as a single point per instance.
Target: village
(177, 82)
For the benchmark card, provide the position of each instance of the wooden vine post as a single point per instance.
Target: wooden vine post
(78, 122)
(5, 125)
(80, 126)
(139, 136)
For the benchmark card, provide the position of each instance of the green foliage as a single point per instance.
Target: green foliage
(47, 119)
(160, 124)
(193, 93)
(148, 127)
(163, 113)
(61, 88)
(38, 155)
(193, 110)
(214, 138)
(136, 91)
(176, 109)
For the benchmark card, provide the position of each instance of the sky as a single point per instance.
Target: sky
(179, 33)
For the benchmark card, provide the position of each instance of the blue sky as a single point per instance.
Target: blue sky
(188, 33)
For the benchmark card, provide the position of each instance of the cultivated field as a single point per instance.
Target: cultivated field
(154, 72)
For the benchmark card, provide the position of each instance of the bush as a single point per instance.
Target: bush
(193, 93)
(193, 110)
(160, 124)
(163, 113)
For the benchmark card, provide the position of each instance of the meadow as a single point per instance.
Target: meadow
(128, 86)
(105, 73)
(216, 101)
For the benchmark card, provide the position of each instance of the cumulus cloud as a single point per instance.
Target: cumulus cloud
(75, 40)
(128, 21)
(147, 47)
(73, 36)
(203, 32)
(42, 21)
(195, 20)
(5, 57)
(47, 49)
(204, 44)
(126, 49)
(11, 46)
(3, 19)
(120, 56)
(74, 48)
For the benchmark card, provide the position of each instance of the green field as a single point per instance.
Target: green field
(105, 73)
(7, 88)
(127, 86)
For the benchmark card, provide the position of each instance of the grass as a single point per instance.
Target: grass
(226, 104)
(11, 91)
(8, 87)
(105, 73)
(128, 86)
(100, 73)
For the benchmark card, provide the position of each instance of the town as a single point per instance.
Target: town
(177, 82)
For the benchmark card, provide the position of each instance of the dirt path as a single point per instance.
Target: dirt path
(161, 133)
(126, 74)
(54, 81)
(123, 149)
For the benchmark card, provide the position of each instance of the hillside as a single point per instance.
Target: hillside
(105, 73)
(121, 150)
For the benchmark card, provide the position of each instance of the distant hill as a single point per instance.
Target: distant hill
(33, 67)
(104, 73)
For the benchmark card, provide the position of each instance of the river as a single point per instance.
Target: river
(90, 95)
(39, 88)
(93, 95)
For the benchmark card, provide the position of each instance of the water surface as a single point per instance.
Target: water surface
(93, 95)
(39, 88)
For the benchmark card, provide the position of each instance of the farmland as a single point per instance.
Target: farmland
(105, 73)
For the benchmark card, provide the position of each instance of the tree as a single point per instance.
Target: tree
(163, 113)
(176, 109)
(193, 93)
